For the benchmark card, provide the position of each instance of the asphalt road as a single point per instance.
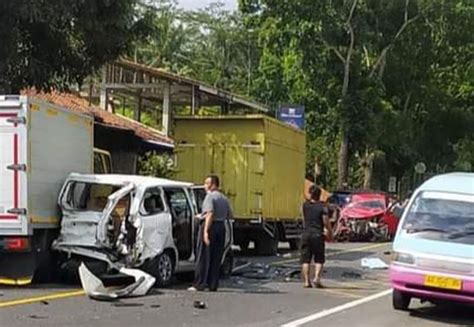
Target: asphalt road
(266, 293)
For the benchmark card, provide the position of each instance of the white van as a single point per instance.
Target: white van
(132, 221)
(434, 245)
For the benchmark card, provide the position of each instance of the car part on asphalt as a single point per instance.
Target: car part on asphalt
(351, 275)
(200, 305)
(373, 263)
(125, 304)
(95, 289)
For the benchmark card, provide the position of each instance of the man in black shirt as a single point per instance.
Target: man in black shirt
(312, 242)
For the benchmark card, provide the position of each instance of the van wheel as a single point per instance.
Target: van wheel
(162, 268)
(400, 300)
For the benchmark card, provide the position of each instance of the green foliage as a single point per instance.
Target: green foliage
(211, 44)
(409, 66)
(156, 165)
(464, 151)
(58, 43)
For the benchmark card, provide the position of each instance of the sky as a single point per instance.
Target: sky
(196, 4)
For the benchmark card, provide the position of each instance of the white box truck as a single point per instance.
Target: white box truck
(40, 145)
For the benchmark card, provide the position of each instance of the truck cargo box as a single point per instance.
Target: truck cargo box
(260, 161)
(40, 145)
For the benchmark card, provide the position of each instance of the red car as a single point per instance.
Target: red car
(367, 217)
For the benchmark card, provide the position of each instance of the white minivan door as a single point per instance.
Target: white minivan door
(156, 224)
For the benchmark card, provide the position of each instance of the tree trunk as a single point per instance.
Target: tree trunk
(342, 160)
(368, 169)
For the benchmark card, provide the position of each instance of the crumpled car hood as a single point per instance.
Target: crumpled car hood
(361, 212)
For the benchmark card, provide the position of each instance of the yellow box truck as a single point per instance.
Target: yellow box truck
(261, 164)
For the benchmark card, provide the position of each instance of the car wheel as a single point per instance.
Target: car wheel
(400, 300)
(162, 268)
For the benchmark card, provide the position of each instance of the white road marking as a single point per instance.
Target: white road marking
(337, 309)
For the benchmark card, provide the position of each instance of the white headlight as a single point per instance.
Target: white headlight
(403, 258)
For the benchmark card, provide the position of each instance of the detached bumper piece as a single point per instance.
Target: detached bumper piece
(95, 289)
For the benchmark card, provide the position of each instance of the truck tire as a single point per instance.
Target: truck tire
(400, 300)
(46, 260)
(244, 245)
(294, 244)
(267, 245)
(162, 268)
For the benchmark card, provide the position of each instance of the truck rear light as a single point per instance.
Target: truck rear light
(16, 244)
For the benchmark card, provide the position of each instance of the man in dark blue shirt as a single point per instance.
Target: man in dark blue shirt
(312, 242)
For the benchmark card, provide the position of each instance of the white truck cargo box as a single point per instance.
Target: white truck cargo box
(40, 145)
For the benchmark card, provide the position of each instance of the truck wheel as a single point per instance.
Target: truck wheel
(228, 265)
(400, 300)
(162, 268)
(294, 244)
(267, 245)
(244, 245)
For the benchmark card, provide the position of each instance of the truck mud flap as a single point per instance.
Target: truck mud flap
(17, 268)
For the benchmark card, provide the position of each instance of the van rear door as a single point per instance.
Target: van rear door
(13, 209)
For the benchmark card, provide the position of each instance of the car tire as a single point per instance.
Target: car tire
(400, 300)
(162, 268)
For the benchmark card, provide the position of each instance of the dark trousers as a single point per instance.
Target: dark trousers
(208, 258)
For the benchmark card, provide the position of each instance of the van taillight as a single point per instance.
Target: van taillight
(16, 243)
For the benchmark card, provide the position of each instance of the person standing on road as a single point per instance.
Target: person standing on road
(211, 238)
(312, 242)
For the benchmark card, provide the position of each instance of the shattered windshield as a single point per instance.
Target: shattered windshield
(373, 204)
(88, 196)
(447, 218)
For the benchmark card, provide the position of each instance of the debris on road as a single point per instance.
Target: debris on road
(200, 305)
(44, 302)
(351, 275)
(95, 289)
(373, 263)
(155, 306)
(37, 317)
(126, 304)
(240, 266)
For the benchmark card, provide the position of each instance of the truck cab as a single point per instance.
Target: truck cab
(102, 162)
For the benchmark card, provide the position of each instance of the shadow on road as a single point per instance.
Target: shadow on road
(460, 315)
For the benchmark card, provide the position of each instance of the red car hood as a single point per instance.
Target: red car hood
(361, 212)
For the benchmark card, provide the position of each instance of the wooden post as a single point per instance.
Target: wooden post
(137, 114)
(165, 122)
(103, 90)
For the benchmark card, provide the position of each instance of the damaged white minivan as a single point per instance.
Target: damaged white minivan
(117, 221)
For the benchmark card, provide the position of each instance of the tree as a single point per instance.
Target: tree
(210, 44)
(369, 70)
(58, 43)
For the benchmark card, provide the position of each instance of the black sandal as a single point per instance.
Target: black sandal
(319, 285)
(308, 286)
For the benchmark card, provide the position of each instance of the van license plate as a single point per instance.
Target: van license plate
(443, 282)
